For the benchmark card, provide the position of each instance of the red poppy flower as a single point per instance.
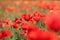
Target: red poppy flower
(1, 35)
(7, 23)
(28, 27)
(18, 20)
(26, 16)
(34, 33)
(10, 8)
(52, 20)
(32, 20)
(6, 33)
(15, 25)
(25, 26)
(36, 16)
(42, 35)
(0, 22)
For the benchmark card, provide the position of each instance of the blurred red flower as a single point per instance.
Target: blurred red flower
(36, 16)
(52, 20)
(18, 20)
(26, 17)
(15, 25)
(1, 35)
(10, 8)
(7, 23)
(42, 35)
(6, 33)
(0, 22)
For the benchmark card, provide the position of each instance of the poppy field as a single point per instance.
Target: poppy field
(29, 19)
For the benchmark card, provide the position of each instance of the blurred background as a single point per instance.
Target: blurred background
(14, 8)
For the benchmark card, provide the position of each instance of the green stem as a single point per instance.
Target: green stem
(7, 38)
